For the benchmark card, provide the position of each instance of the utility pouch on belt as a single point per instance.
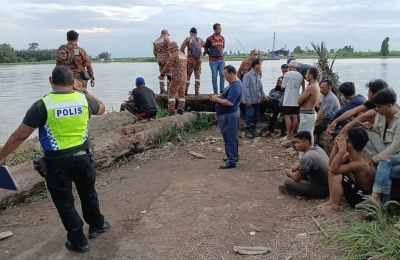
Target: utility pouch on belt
(39, 165)
(90, 153)
(85, 75)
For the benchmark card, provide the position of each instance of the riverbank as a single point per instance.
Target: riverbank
(311, 56)
(167, 204)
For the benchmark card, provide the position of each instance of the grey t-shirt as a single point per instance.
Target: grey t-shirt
(330, 105)
(314, 165)
(292, 81)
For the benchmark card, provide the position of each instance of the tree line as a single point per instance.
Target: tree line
(9, 55)
(33, 54)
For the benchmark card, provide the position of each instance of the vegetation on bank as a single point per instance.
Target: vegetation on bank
(375, 239)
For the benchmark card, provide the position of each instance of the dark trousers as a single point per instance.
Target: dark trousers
(229, 125)
(307, 189)
(277, 111)
(80, 170)
(252, 114)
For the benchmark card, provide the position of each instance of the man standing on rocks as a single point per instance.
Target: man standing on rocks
(214, 47)
(62, 117)
(228, 112)
(177, 66)
(160, 51)
(194, 45)
(76, 59)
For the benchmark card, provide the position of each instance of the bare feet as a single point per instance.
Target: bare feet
(326, 203)
(329, 209)
(268, 133)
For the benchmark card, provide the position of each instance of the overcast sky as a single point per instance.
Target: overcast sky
(125, 28)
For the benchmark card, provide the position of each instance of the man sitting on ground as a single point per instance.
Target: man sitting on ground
(275, 97)
(143, 100)
(330, 105)
(347, 158)
(384, 135)
(373, 87)
(308, 178)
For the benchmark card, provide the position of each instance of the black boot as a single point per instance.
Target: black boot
(253, 131)
(248, 134)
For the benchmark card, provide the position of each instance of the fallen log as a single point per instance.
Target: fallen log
(99, 125)
(136, 138)
(108, 147)
(202, 102)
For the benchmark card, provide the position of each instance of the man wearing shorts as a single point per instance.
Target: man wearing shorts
(290, 108)
(347, 157)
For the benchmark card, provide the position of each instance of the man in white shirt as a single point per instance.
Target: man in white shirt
(290, 108)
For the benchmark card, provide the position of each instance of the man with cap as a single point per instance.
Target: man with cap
(194, 45)
(142, 100)
(214, 47)
(302, 68)
(160, 51)
(246, 64)
(76, 59)
(290, 108)
(177, 67)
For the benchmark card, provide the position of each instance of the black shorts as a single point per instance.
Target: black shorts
(352, 192)
(290, 110)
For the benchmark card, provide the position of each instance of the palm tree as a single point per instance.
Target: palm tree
(324, 66)
(33, 46)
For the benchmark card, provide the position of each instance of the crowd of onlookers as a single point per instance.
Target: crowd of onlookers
(365, 132)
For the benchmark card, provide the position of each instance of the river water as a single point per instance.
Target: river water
(21, 85)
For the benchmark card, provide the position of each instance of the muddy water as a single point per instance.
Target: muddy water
(21, 85)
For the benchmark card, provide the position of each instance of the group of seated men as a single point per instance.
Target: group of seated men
(365, 156)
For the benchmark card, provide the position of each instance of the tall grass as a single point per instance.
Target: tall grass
(376, 239)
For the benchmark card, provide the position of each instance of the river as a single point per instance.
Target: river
(21, 85)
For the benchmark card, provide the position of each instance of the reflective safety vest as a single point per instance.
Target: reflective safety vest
(67, 121)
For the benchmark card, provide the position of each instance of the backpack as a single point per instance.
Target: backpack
(196, 47)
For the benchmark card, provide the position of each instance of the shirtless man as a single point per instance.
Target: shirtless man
(347, 157)
(307, 102)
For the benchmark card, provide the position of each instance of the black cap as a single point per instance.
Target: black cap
(284, 66)
(193, 30)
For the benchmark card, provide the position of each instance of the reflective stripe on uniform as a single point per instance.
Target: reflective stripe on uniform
(171, 100)
(188, 81)
(182, 99)
(197, 80)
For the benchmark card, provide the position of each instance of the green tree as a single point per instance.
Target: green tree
(104, 55)
(230, 52)
(33, 46)
(7, 53)
(385, 47)
(298, 49)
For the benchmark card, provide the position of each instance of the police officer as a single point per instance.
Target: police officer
(79, 61)
(62, 117)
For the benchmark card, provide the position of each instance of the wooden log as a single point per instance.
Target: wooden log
(99, 125)
(108, 147)
(202, 102)
(136, 138)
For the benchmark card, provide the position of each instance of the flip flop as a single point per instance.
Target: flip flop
(366, 203)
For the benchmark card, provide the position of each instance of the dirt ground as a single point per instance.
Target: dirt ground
(167, 204)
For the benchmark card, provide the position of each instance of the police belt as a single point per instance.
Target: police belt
(80, 153)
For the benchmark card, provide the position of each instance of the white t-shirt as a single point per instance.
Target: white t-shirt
(292, 81)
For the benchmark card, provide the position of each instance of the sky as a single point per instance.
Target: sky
(125, 28)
